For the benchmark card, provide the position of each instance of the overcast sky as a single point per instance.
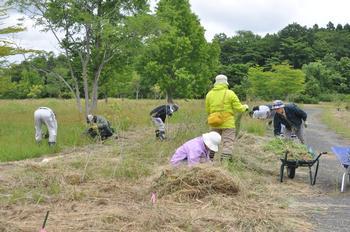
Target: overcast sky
(228, 16)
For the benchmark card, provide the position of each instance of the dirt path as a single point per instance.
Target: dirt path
(329, 211)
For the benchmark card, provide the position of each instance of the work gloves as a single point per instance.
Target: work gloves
(246, 107)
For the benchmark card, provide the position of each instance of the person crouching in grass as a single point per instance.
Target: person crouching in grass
(197, 150)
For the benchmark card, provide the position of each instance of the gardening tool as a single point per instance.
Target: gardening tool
(238, 124)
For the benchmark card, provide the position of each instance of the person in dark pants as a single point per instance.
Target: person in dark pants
(99, 126)
(158, 116)
(292, 117)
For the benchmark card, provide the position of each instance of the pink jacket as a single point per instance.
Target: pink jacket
(193, 151)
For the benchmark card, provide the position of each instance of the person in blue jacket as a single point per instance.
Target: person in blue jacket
(292, 117)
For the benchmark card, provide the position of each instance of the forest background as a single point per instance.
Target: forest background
(121, 49)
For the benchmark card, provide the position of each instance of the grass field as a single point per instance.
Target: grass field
(17, 122)
(107, 187)
(337, 120)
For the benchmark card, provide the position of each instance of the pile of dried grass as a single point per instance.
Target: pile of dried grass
(197, 182)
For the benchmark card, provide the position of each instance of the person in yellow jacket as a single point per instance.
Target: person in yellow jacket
(222, 99)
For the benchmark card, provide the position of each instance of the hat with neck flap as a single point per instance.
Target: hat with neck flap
(221, 79)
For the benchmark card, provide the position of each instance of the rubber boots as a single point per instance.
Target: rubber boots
(51, 144)
(161, 135)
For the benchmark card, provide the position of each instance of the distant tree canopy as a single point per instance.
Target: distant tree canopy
(279, 83)
(321, 53)
(165, 54)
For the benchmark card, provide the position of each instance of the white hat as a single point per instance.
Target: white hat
(221, 79)
(90, 117)
(277, 104)
(212, 140)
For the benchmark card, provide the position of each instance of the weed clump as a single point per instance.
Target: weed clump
(296, 151)
(197, 182)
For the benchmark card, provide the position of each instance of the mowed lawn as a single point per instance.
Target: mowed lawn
(17, 122)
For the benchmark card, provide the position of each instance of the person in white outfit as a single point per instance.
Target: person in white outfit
(44, 115)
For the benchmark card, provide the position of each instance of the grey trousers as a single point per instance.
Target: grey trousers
(158, 123)
(299, 132)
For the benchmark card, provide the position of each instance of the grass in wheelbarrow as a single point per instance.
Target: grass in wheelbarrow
(297, 151)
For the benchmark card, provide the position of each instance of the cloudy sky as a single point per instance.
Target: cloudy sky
(228, 16)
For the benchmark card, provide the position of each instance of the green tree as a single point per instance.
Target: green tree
(8, 47)
(244, 47)
(330, 26)
(279, 83)
(179, 59)
(95, 32)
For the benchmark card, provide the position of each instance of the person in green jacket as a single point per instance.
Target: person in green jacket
(99, 127)
(221, 99)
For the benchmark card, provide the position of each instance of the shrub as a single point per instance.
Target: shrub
(303, 98)
(327, 97)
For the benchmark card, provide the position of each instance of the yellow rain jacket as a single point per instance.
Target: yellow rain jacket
(232, 105)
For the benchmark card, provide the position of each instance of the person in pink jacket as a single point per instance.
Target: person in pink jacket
(197, 150)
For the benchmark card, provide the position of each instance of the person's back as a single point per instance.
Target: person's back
(292, 117)
(102, 125)
(101, 121)
(222, 99)
(44, 115)
(197, 150)
(192, 151)
(225, 102)
(158, 116)
(261, 112)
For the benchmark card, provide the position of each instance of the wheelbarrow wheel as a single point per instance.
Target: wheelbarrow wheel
(291, 172)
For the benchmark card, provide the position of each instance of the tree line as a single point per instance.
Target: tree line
(122, 49)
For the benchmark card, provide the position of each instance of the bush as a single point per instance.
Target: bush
(327, 97)
(347, 106)
(306, 99)
(66, 95)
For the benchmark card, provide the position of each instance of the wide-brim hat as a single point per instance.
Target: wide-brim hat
(221, 79)
(212, 140)
(277, 104)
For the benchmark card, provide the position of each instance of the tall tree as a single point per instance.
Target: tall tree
(94, 32)
(180, 60)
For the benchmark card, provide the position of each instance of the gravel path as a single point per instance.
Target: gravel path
(330, 210)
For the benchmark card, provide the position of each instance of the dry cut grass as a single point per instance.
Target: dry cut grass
(107, 187)
(197, 182)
